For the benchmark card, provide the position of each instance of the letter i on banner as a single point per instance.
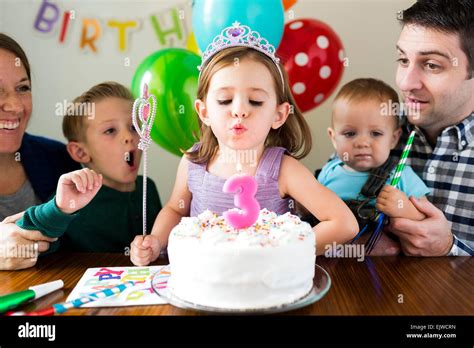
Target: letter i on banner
(67, 16)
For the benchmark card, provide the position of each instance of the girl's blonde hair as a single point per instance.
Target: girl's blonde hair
(294, 134)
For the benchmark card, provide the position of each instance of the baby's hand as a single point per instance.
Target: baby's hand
(76, 189)
(393, 202)
(144, 250)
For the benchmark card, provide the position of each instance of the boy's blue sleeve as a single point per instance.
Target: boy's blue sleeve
(412, 185)
(46, 218)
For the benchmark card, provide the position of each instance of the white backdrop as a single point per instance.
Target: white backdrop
(368, 30)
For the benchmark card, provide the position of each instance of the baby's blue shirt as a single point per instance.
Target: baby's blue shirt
(347, 184)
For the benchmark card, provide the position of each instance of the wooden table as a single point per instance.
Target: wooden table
(377, 286)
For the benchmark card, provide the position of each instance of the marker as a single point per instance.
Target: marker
(15, 299)
(60, 308)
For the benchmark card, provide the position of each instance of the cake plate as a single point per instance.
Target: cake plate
(321, 285)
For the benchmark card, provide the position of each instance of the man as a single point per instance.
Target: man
(435, 78)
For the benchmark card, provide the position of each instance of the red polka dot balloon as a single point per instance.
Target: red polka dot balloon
(313, 57)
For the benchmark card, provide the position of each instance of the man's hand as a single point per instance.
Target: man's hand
(429, 237)
(17, 246)
(77, 189)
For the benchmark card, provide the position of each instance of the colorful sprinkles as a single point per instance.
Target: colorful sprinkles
(269, 230)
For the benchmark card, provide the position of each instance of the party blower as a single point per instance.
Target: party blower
(11, 301)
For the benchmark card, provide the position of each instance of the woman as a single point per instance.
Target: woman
(30, 166)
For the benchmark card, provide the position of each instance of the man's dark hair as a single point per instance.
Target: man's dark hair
(448, 16)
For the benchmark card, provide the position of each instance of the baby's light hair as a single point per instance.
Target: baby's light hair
(294, 135)
(368, 89)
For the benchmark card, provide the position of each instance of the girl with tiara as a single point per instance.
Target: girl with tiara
(248, 117)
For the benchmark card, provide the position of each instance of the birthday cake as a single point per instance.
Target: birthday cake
(270, 263)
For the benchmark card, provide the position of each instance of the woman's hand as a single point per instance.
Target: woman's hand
(19, 248)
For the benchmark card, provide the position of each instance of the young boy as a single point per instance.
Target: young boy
(98, 208)
(365, 128)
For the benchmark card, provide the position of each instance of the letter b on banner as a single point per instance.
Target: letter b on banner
(47, 16)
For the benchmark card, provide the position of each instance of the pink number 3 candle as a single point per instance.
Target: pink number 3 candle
(245, 188)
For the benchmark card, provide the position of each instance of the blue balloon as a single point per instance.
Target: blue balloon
(210, 17)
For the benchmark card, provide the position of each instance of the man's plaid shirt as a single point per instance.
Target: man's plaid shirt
(448, 170)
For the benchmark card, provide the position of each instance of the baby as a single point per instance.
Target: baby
(364, 130)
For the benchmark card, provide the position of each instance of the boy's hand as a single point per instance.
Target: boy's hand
(392, 202)
(76, 189)
(144, 250)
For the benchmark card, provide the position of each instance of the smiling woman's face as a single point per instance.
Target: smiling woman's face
(15, 102)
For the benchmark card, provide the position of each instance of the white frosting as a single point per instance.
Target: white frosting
(268, 264)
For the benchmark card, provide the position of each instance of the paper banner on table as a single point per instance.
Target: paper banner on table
(100, 278)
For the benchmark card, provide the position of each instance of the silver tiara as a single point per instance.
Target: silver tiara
(239, 35)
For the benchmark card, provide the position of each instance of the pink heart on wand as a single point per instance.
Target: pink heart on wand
(146, 108)
(146, 111)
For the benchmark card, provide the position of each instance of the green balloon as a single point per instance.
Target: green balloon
(172, 76)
